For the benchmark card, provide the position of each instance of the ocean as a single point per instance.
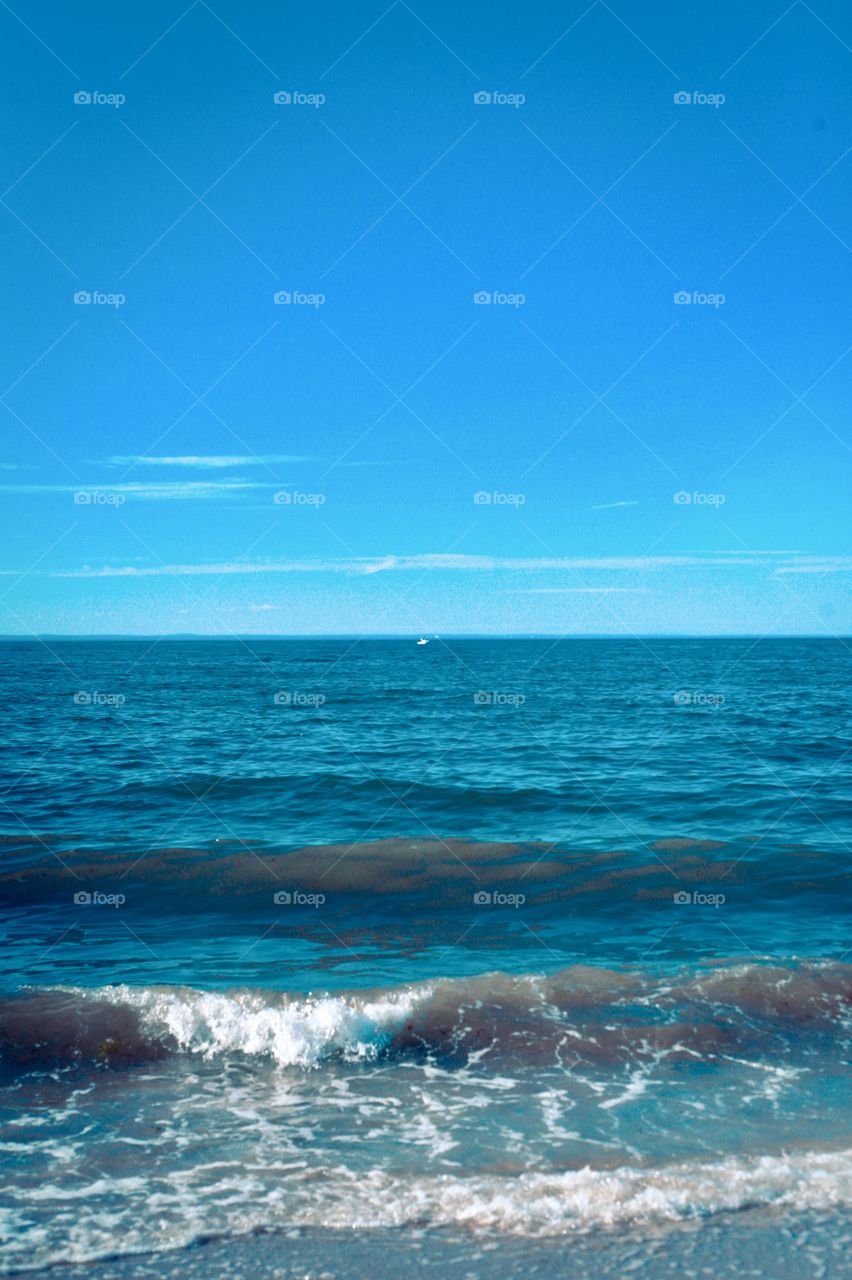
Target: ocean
(499, 957)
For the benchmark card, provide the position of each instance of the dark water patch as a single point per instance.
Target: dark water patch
(42, 1030)
(580, 1016)
(438, 872)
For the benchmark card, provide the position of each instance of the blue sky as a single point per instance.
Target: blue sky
(378, 451)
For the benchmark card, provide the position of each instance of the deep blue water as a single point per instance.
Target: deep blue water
(593, 742)
(525, 935)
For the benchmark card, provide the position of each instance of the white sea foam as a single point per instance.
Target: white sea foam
(547, 1204)
(298, 1032)
(526, 1205)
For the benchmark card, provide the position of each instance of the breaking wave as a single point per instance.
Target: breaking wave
(581, 1014)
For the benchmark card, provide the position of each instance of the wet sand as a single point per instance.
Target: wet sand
(755, 1245)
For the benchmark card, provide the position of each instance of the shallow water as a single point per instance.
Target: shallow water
(387, 954)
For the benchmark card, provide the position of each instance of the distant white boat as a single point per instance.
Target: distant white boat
(422, 640)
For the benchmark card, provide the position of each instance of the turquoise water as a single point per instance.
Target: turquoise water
(385, 738)
(520, 937)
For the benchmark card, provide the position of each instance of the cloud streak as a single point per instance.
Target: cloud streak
(452, 563)
(151, 491)
(207, 461)
(819, 564)
(566, 591)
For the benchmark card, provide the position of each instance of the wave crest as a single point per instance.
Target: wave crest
(582, 1014)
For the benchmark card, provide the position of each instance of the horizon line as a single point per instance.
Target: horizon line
(40, 637)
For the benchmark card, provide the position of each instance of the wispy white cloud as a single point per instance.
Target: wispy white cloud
(205, 570)
(608, 506)
(441, 562)
(151, 491)
(747, 551)
(819, 564)
(375, 462)
(566, 591)
(207, 461)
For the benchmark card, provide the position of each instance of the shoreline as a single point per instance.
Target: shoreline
(756, 1243)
